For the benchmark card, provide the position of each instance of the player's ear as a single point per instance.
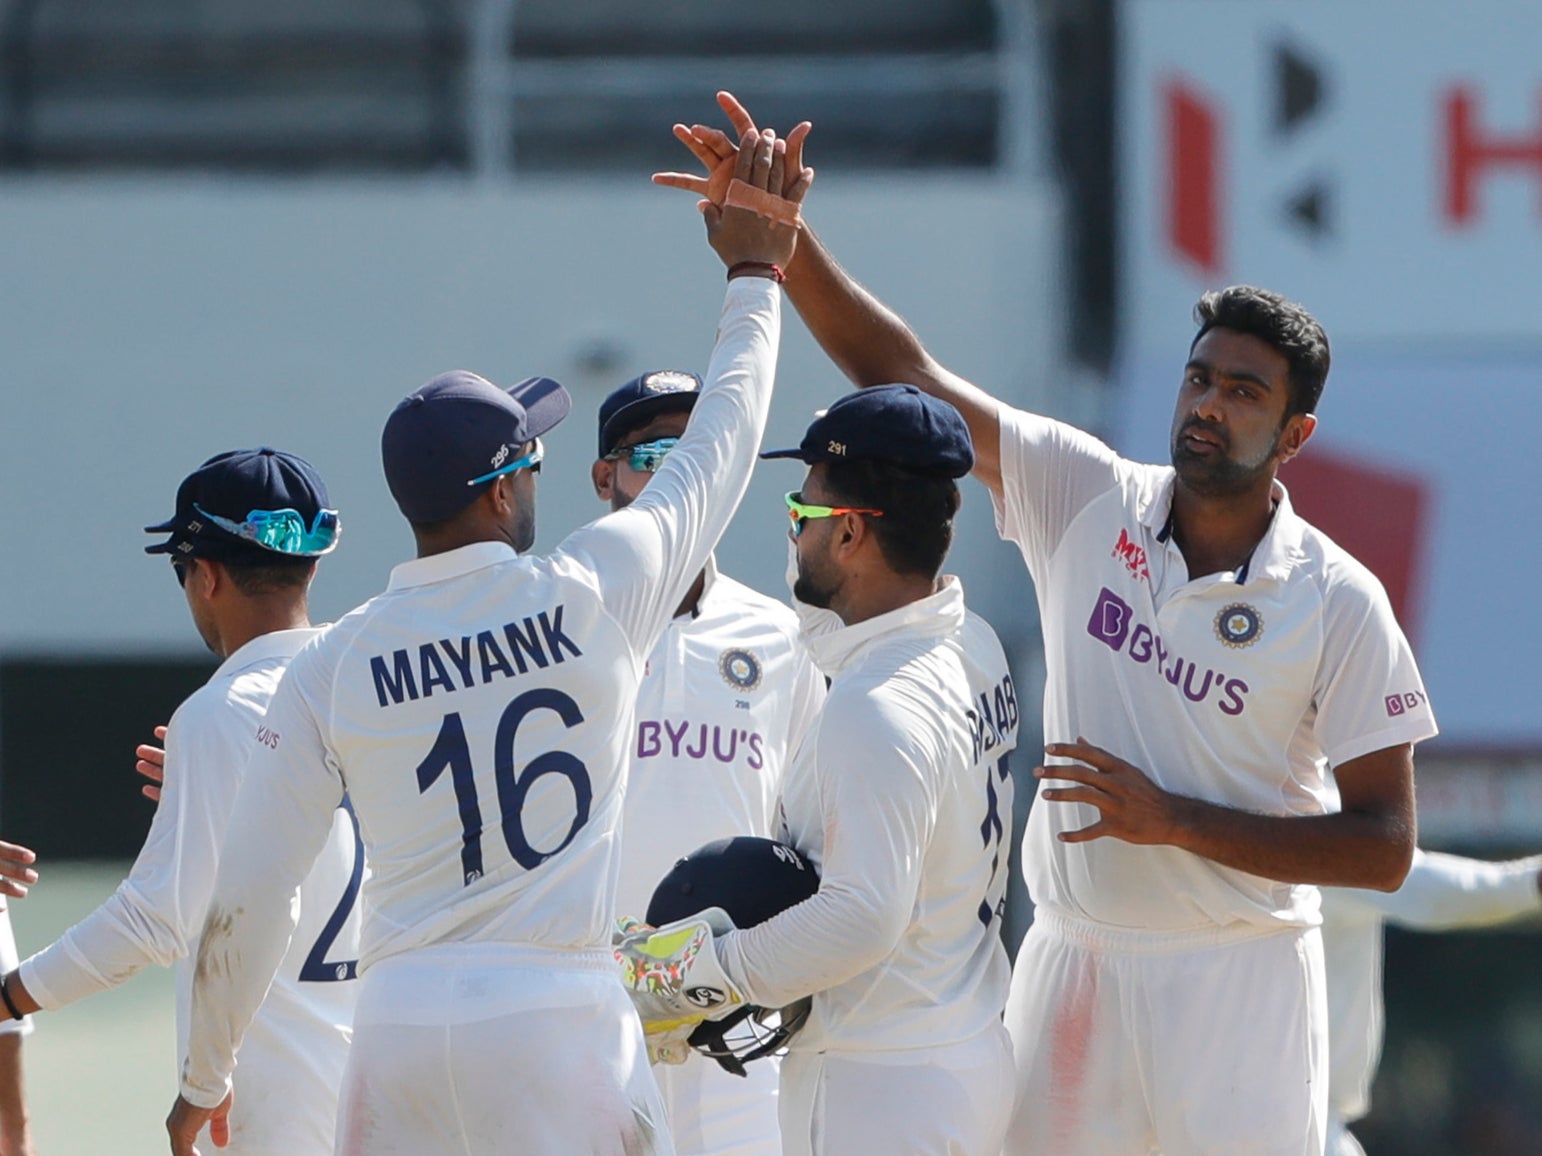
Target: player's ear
(1298, 429)
(500, 495)
(603, 475)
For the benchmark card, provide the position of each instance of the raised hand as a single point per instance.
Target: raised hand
(759, 235)
(718, 153)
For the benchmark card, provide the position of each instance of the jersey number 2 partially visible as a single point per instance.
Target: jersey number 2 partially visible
(316, 968)
(451, 751)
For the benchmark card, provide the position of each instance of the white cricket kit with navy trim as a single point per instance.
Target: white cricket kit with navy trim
(1236, 688)
(1441, 892)
(479, 713)
(901, 799)
(726, 697)
(292, 1061)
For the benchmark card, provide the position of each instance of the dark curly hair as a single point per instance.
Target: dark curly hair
(1283, 325)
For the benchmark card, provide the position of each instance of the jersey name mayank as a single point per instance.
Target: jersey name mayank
(472, 660)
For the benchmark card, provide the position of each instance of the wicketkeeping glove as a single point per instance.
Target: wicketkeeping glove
(673, 975)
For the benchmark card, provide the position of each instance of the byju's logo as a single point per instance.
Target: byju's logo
(1113, 624)
(1403, 703)
(1110, 621)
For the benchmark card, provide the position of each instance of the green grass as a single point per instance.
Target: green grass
(101, 1073)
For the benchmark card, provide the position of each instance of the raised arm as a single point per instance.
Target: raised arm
(643, 558)
(868, 341)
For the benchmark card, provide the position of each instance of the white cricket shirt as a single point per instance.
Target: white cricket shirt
(479, 713)
(1239, 688)
(726, 696)
(902, 799)
(1442, 892)
(9, 1026)
(292, 1063)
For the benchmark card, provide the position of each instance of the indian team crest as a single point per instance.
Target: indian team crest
(1239, 625)
(740, 669)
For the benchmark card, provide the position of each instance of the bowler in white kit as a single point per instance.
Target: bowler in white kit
(727, 695)
(479, 715)
(1210, 656)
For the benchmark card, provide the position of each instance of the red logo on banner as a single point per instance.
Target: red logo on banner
(1469, 154)
(1193, 175)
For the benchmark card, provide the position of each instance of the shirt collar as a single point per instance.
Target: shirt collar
(450, 564)
(274, 644)
(833, 650)
(1277, 551)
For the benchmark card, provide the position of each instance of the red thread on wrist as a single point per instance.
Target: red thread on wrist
(770, 267)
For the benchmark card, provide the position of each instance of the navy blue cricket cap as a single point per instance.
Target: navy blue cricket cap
(231, 486)
(457, 427)
(897, 424)
(642, 399)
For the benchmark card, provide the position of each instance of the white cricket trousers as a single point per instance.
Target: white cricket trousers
(716, 1113)
(1195, 1043)
(476, 1049)
(946, 1101)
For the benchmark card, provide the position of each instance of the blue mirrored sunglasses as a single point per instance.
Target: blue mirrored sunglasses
(644, 457)
(531, 461)
(283, 531)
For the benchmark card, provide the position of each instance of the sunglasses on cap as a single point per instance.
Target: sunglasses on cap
(644, 457)
(283, 531)
(800, 511)
(531, 461)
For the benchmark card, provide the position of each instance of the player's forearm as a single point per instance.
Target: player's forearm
(820, 943)
(1350, 849)
(873, 345)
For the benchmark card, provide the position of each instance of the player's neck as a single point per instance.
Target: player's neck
(692, 598)
(858, 601)
(256, 617)
(1219, 533)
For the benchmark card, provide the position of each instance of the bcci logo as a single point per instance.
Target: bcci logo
(669, 381)
(740, 669)
(1239, 625)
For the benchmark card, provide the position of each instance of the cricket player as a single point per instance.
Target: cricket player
(900, 798)
(479, 714)
(16, 875)
(1441, 893)
(726, 697)
(248, 529)
(1210, 656)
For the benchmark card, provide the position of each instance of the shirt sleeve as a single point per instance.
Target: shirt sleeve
(1448, 891)
(1049, 472)
(878, 817)
(1368, 692)
(282, 818)
(643, 559)
(8, 1026)
(153, 915)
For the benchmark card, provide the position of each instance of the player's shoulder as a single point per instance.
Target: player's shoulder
(1340, 577)
(738, 599)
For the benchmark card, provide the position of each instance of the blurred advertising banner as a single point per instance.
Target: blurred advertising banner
(1382, 164)
(1380, 160)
